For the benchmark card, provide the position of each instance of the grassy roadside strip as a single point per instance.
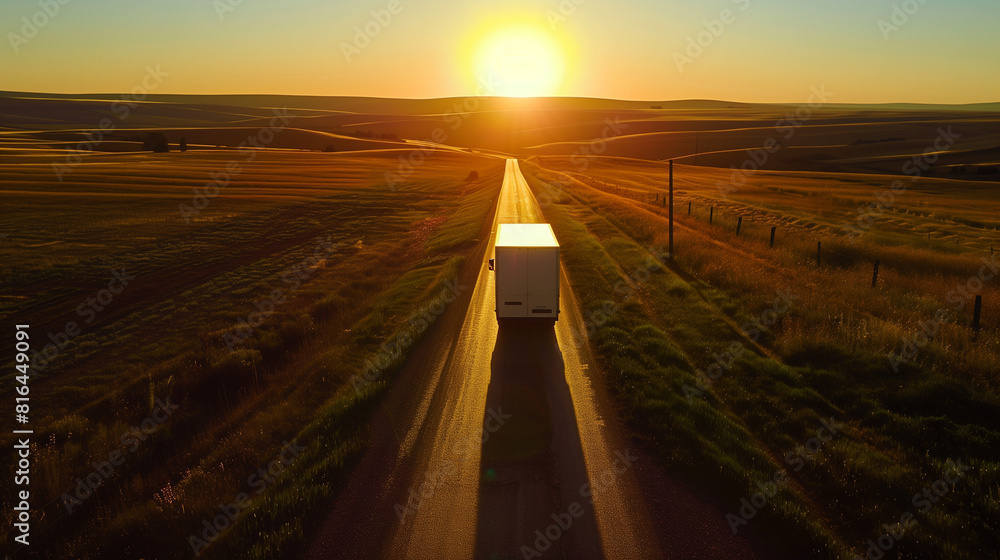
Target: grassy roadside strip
(336, 439)
(860, 480)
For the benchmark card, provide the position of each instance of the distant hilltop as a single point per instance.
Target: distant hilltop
(374, 105)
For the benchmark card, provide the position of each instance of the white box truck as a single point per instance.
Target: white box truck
(526, 264)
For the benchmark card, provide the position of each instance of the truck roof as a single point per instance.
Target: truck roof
(526, 235)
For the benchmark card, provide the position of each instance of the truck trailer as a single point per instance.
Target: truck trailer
(526, 263)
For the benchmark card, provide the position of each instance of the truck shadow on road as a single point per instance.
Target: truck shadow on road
(532, 467)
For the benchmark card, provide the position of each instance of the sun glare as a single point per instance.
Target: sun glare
(519, 62)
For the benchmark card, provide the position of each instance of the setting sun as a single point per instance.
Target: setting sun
(519, 62)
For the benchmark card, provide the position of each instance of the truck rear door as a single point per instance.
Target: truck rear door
(543, 282)
(512, 281)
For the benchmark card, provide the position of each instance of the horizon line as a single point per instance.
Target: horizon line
(11, 93)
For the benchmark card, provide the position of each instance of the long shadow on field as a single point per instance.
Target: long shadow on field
(532, 464)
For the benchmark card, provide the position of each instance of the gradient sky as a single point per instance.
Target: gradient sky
(775, 51)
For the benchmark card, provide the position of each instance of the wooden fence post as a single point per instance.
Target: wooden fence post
(773, 229)
(739, 224)
(819, 253)
(976, 313)
(711, 214)
(875, 274)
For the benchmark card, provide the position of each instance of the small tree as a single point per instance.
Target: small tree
(156, 142)
(184, 144)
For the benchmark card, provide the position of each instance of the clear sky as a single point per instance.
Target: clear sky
(943, 51)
